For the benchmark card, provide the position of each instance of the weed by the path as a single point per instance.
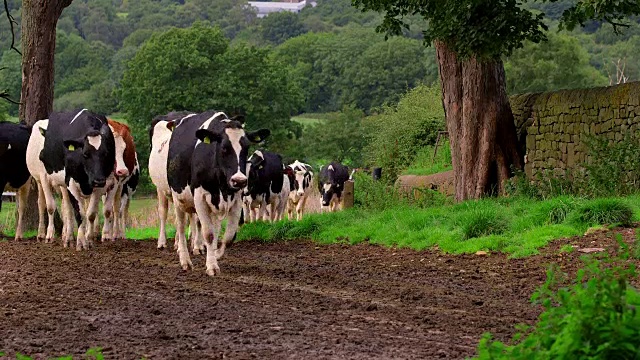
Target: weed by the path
(595, 318)
(91, 354)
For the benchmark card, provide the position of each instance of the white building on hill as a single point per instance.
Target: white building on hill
(264, 8)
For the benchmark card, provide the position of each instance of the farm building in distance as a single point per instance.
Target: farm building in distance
(264, 8)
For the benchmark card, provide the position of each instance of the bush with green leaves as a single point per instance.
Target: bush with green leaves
(399, 132)
(596, 317)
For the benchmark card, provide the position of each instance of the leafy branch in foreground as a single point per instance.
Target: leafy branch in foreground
(595, 318)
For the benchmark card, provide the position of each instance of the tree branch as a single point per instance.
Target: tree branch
(12, 22)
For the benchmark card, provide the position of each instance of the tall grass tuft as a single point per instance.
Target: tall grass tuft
(603, 212)
(482, 222)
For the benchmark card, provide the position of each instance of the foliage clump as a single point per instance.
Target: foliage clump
(397, 133)
(482, 221)
(596, 317)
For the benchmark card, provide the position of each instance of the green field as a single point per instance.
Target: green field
(310, 119)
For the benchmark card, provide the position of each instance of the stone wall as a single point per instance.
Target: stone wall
(552, 127)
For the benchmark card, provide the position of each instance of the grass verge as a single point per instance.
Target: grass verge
(516, 226)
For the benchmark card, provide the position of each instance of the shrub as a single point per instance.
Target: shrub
(426, 164)
(595, 318)
(378, 195)
(398, 132)
(603, 211)
(557, 210)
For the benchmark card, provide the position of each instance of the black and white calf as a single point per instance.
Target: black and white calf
(206, 171)
(331, 184)
(14, 174)
(301, 176)
(79, 149)
(265, 197)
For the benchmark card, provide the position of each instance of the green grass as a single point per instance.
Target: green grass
(518, 227)
(91, 354)
(425, 164)
(310, 119)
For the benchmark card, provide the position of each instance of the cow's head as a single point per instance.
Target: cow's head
(302, 177)
(329, 187)
(92, 149)
(120, 170)
(230, 145)
(255, 163)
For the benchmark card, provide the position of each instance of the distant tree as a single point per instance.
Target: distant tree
(280, 26)
(339, 138)
(385, 71)
(470, 38)
(194, 69)
(11, 78)
(560, 63)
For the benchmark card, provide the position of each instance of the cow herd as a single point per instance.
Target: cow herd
(200, 162)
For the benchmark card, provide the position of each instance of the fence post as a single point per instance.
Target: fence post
(347, 195)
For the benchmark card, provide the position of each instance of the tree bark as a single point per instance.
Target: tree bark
(38, 36)
(480, 123)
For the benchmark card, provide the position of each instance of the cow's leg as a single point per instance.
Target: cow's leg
(300, 208)
(117, 202)
(22, 195)
(208, 230)
(183, 250)
(195, 236)
(233, 222)
(91, 217)
(163, 206)
(68, 217)
(50, 203)
(124, 215)
(42, 210)
(108, 212)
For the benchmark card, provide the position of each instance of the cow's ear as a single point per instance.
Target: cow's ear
(72, 145)
(258, 136)
(207, 136)
(43, 131)
(239, 118)
(171, 125)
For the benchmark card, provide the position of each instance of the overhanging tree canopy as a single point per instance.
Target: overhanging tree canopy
(470, 37)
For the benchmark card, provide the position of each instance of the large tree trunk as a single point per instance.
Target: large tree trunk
(480, 123)
(39, 20)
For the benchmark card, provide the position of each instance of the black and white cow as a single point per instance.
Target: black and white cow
(331, 184)
(301, 176)
(265, 197)
(159, 135)
(206, 171)
(14, 174)
(79, 147)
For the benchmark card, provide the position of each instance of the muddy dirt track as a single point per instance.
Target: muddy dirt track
(294, 300)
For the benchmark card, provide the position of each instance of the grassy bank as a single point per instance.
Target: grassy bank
(515, 226)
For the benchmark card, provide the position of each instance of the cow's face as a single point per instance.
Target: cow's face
(327, 191)
(95, 153)
(121, 170)
(231, 146)
(255, 163)
(302, 182)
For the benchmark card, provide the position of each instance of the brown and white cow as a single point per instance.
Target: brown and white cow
(126, 161)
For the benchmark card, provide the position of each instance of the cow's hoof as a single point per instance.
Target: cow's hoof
(18, 238)
(213, 272)
(40, 238)
(49, 240)
(162, 247)
(188, 266)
